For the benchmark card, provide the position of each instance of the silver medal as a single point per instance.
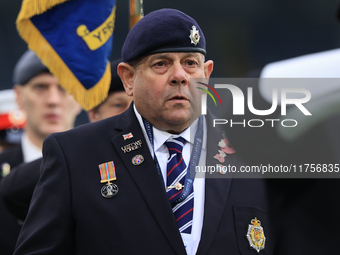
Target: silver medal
(109, 190)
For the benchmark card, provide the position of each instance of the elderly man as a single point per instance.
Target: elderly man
(122, 185)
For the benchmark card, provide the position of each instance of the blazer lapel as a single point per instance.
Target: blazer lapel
(217, 188)
(147, 179)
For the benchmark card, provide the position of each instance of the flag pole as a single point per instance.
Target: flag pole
(136, 11)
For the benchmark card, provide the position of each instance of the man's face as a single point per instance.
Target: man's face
(48, 106)
(116, 103)
(162, 91)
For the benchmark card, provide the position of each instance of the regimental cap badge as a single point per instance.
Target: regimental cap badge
(194, 35)
(255, 235)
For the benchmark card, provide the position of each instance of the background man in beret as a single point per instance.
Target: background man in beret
(105, 187)
(17, 188)
(48, 109)
(117, 100)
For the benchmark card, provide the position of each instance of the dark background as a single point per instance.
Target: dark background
(241, 35)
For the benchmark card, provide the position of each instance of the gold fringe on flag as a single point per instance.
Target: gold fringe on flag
(88, 99)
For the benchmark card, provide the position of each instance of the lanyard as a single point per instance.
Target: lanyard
(149, 132)
(194, 158)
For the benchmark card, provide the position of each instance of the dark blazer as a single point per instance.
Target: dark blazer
(9, 225)
(68, 214)
(18, 186)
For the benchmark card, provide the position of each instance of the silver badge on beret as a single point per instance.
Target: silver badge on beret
(194, 35)
(109, 190)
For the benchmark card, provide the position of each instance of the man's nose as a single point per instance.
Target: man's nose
(54, 96)
(179, 76)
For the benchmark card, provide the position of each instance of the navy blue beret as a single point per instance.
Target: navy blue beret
(116, 82)
(165, 30)
(27, 67)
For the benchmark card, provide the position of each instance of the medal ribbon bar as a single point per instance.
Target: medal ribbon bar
(107, 172)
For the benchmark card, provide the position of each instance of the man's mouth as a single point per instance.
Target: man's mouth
(52, 117)
(179, 98)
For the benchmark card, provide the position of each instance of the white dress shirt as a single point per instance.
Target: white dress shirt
(191, 241)
(29, 150)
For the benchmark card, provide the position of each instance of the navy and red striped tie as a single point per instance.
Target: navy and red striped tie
(176, 174)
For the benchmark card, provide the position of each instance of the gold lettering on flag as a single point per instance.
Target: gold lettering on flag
(100, 35)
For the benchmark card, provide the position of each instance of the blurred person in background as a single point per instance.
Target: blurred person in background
(48, 109)
(117, 100)
(17, 188)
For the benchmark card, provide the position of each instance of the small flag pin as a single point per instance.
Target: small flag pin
(128, 136)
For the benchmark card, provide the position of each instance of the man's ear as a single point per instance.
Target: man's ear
(92, 115)
(126, 74)
(19, 94)
(208, 68)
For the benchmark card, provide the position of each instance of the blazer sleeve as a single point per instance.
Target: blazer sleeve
(49, 227)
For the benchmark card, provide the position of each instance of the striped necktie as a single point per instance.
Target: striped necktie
(176, 174)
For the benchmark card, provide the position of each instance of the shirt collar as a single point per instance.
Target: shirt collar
(161, 136)
(29, 150)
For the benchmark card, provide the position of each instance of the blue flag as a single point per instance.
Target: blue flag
(73, 39)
